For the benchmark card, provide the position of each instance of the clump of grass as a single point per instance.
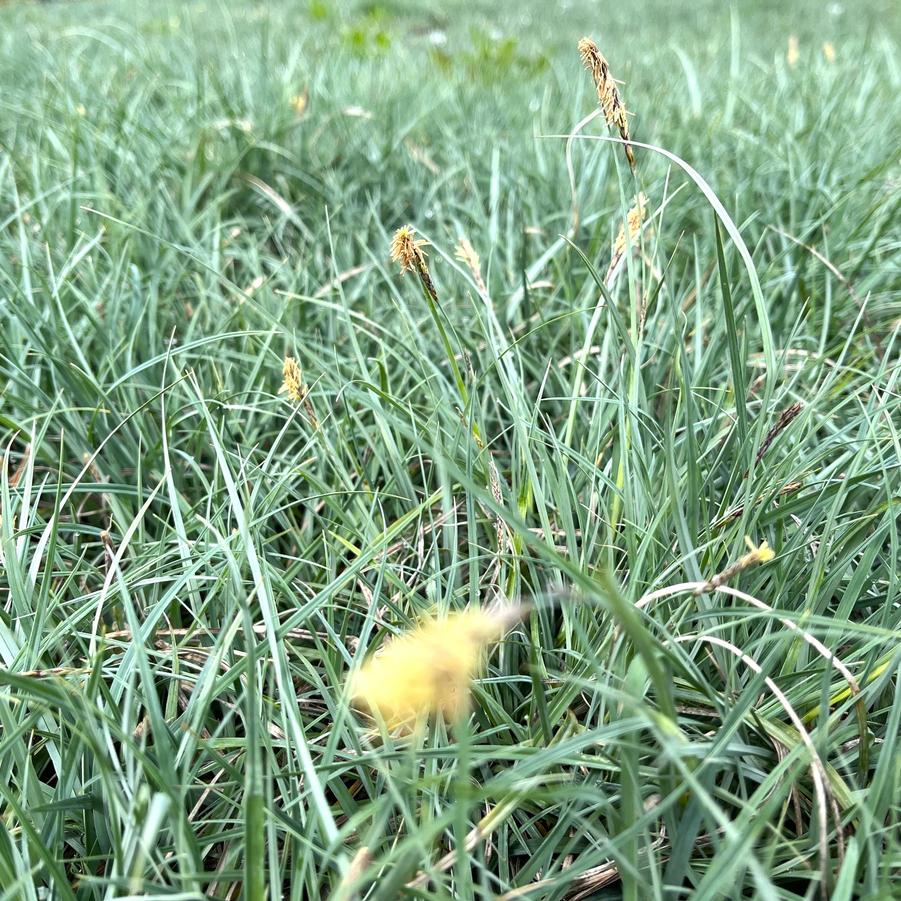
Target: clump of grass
(189, 575)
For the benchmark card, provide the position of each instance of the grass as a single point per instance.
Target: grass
(192, 565)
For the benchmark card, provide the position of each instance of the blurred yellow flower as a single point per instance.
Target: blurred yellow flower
(829, 52)
(794, 52)
(429, 669)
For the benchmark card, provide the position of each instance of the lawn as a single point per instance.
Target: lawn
(665, 445)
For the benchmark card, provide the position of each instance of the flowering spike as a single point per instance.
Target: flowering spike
(408, 253)
(608, 92)
(292, 383)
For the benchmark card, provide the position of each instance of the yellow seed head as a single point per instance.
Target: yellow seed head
(794, 52)
(634, 218)
(466, 253)
(608, 91)
(763, 553)
(292, 383)
(428, 670)
(407, 251)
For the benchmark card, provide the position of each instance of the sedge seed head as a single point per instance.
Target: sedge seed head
(428, 670)
(634, 219)
(607, 88)
(406, 250)
(466, 253)
(609, 97)
(292, 380)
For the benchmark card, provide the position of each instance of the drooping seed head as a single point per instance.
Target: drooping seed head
(608, 91)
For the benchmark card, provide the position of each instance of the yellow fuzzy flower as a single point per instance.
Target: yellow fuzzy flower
(429, 669)
(762, 553)
(794, 51)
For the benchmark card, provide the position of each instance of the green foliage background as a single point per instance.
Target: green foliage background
(190, 191)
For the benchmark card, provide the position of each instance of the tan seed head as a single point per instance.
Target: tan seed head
(634, 218)
(292, 383)
(407, 251)
(608, 91)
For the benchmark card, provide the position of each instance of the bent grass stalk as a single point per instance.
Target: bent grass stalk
(407, 252)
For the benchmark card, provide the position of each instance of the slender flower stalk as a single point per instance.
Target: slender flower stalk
(407, 252)
(611, 102)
